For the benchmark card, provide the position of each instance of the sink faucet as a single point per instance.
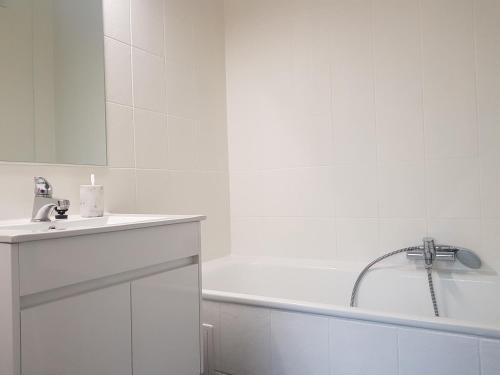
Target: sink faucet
(44, 204)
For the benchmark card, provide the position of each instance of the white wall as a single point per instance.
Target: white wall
(360, 126)
(165, 89)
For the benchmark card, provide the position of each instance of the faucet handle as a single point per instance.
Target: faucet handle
(43, 188)
(62, 208)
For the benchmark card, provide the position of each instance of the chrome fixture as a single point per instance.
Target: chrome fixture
(44, 204)
(429, 252)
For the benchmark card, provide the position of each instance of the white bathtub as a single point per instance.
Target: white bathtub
(277, 316)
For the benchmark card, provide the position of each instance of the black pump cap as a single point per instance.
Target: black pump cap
(61, 214)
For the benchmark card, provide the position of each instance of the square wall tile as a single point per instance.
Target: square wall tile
(180, 42)
(120, 191)
(147, 25)
(305, 140)
(353, 105)
(401, 190)
(459, 232)
(490, 357)
(398, 80)
(487, 31)
(362, 348)
(149, 81)
(117, 19)
(294, 237)
(120, 136)
(215, 235)
(186, 192)
(183, 143)
(449, 78)
(150, 139)
(118, 65)
(181, 90)
(453, 188)
(152, 193)
(357, 239)
(212, 144)
(490, 244)
(286, 192)
(399, 233)
(436, 353)
(245, 340)
(311, 79)
(356, 190)
(299, 344)
(490, 187)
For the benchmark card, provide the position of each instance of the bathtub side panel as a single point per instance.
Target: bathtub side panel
(490, 357)
(437, 353)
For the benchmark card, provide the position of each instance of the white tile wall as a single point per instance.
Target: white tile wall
(363, 348)
(299, 237)
(398, 99)
(490, 359)
(117, 16)
(150, 139)
(149, 80)
(245, 334)
(182, 143)
(139, 177)
(118, 64)
(436, 353)
(299, 344)
(147, 25)
(250, 340)
(487, 30)
(120, 136)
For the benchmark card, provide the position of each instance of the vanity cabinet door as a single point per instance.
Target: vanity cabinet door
(166, 323)
(88, 334)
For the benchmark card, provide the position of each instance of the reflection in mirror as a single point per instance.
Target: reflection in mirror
(52, 100)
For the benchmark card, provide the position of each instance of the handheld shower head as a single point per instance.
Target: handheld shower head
(468, 258)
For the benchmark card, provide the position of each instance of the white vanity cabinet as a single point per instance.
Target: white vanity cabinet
(112, 302)
(80, 335)
(165, 323)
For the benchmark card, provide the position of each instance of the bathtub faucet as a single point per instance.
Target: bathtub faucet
(429, 252)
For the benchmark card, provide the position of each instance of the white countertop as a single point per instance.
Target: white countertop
(23, 230)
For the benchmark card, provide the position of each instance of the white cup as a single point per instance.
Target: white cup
(91, 200)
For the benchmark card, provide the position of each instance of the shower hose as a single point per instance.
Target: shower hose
(388, 255)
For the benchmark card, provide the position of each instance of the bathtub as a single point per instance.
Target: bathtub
(280, 316)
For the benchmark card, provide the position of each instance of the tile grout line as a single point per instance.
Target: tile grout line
(478, 124)
(375, 124)
(422, 102)
(136, 178)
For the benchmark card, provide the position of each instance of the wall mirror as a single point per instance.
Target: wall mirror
(52, 97)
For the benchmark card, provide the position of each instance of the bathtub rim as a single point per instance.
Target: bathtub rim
(452, 326)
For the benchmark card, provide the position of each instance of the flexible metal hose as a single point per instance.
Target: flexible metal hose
(388, 255)
(370, 265)
(433, 294)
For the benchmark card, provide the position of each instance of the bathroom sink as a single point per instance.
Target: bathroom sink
(12, 231)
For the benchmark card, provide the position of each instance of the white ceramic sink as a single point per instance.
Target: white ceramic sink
(12, 231)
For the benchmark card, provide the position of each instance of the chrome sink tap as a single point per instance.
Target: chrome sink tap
(44, 204)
